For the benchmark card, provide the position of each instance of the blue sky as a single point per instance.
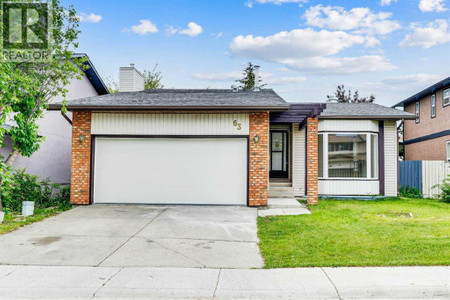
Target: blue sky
(390, 48)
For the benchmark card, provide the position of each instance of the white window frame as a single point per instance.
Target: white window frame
(448, 150)
(433, 106)
(368, 156)
(448, 97)
(417, 111)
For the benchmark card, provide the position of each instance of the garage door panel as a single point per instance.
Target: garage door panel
(171, 171)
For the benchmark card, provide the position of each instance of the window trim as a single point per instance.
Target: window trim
(433, 106)
(443, 103)
(368, 156)
(447, 144)
(417, 111)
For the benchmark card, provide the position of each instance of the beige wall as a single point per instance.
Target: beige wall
(427, 124)
(434, 149)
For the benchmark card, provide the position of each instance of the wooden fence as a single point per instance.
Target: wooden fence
(423, 175)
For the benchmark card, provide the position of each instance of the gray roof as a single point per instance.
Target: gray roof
(188, 99)
(363, 111)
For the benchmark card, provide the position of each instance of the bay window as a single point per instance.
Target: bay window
(348, 155)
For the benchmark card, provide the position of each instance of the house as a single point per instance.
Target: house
(227, 147)
(52, 160)
(427, 137)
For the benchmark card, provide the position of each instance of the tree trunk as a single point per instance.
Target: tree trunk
(11, 158)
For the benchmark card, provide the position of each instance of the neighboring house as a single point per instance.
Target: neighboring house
(427, 137)
(52, 160)
(227, 147)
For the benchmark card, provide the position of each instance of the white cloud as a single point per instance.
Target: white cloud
(359, 19)
(414, 79)
(144, 27)
(217, 35)
(295, 43)
(426, 37)
(387, 2)
(341, 65)
(193, 29)
(308, 50)
(92, 18)
(432, 5)
(371, 42)
(170, 30)
(250, 3)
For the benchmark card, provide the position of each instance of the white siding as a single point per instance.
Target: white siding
(390, 158)
(349, 187)
(169, 124)
(298, 161)
(348, 125)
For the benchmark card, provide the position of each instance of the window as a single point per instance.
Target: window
(433, 106)
(446, 97)
(417, 112)
(448, 151)
(348, 155)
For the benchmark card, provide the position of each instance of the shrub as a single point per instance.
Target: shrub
(445, 190)
(410, 192)
(19, 186)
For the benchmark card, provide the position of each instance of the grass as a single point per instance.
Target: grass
(13, 221)
(389, 232)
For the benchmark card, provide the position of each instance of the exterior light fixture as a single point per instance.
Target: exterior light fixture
(256, 139)
(82, 138)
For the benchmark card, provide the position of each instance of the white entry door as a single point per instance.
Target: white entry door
(170, 171)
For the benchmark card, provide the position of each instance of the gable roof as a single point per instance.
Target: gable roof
(93, 76)
(181, 99)
(363, 111)
(426, 92)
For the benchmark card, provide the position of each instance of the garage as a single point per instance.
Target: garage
(170, 170)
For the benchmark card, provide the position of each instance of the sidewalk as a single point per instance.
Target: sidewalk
(311, 283)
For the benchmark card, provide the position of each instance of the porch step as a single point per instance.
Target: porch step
(281, 192)
(280, 184)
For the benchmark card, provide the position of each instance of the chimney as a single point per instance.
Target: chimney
(256, 88)
(130, 79)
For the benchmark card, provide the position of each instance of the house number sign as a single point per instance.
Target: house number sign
(237, 125)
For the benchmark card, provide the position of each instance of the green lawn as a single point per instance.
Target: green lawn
(12, 221)
(390, 232)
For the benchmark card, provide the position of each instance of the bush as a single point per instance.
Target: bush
(410, 192)
(445, 190)
(19, 186)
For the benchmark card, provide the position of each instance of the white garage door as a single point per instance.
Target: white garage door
(171, 170)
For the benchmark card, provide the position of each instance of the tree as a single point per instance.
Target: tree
(27, 87)
(152, 79)
(343, 96)
(112, 85)
(248, 81)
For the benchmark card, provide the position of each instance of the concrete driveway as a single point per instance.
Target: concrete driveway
(139, 235)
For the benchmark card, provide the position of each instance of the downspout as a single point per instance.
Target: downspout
(67, 118)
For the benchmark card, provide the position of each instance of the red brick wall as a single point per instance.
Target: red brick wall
(81, 157)
(312, 161)
(259, 159)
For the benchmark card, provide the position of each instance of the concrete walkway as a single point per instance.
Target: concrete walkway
(305, 283)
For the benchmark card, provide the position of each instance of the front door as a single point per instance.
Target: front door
(279, 154)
